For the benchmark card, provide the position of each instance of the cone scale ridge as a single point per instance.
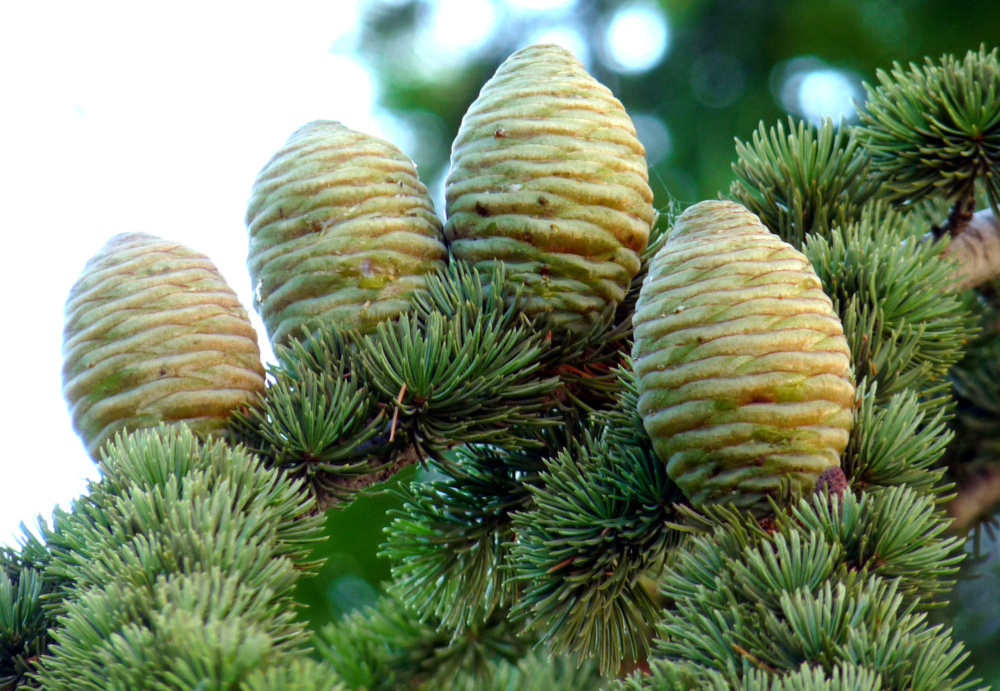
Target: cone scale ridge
(340, 230)
(153, 333)
(548, 176)
(744, 373)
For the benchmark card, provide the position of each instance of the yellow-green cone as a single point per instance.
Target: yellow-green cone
(341, 231)
(153, 333)
(744, 373)
(548, 176)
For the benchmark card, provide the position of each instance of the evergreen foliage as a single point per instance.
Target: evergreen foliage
(805, 182)
(386, 647)
(178, 568)
(25, 621)
(904, 330)
(456, 381)
(599, 523)
(936, 129)
(317, 420)
(830, 583)
(897, 443)
(451, 542)
(346, 410)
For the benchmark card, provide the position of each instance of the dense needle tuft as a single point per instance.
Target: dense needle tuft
(936, 129)
(804, 182)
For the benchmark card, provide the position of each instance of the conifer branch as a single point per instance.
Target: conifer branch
(817, 587)
(803, 183)
(298, 675)
(24, 622)
(462, 381)
(344, 411)
(180, 562)
(936, 128)
(904, 330)
(387, 647)
(451, 543)
(599, 524)
(550, 509)
(894, 444)
(958, 217)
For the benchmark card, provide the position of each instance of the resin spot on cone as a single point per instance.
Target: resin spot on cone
(548, 176)
(153, 333)
(341, 231)
(744, 373)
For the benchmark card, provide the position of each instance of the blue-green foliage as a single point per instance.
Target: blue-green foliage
(178, 569)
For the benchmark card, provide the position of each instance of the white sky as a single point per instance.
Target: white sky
(136, 117)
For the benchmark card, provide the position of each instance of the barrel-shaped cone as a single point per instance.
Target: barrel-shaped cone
(547, 175)
(153, 333)
(341, 231)
(743, 370)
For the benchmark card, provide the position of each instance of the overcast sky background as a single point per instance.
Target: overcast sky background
(147, 117)
(131, 116)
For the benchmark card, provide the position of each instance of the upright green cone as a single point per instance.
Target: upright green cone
(153, 333)
(744, 373)
(341, 231)
(547, 175)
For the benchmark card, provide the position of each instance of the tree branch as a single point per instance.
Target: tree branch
(959, 216)
(978, 499)
(351, 486)
(976, 249)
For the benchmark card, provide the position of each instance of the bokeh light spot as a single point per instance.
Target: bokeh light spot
(461, 25)
(568, 37)
(827, 94)
(540, 5)
(654, 135)
(636, 38)
(717, 79)
(810, 88)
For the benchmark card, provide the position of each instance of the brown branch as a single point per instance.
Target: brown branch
(959, 216)
(975, 247)
(754, 660)
(395, 413)
(348, 487)
(977, 499)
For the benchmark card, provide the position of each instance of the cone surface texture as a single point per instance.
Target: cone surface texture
(153, 333)
(548, 176)
(341, 231)
(744, 373)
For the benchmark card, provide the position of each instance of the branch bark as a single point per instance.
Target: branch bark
(975, 247)
(960, 215)
(351, 486)
(977, 499)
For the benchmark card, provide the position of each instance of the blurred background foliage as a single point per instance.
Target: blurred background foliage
(693, 75)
